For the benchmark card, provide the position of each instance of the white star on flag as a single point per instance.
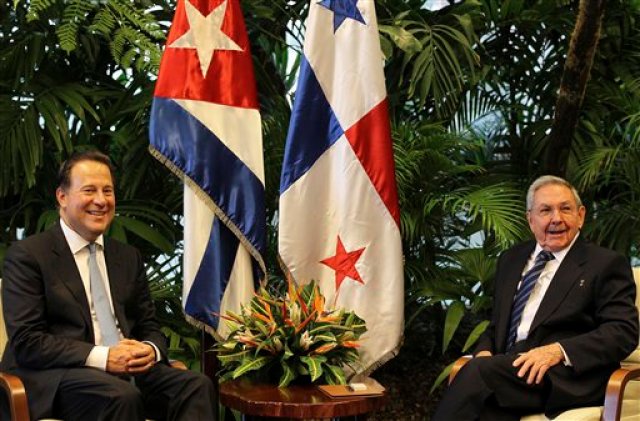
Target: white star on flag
(205, 34)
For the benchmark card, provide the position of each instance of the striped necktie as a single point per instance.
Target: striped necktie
(101, 304)
(522, 295)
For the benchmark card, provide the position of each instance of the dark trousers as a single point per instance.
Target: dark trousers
(164, 393)
(488, 388)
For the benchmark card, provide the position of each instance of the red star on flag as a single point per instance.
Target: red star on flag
(344, 263)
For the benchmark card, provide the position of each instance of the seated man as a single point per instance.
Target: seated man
(563, 318)
(82, 331)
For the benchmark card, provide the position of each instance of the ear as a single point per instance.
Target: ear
(530, 220)
(61, 197)
(582, 212)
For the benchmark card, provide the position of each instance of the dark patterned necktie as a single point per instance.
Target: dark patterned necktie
(522, 295)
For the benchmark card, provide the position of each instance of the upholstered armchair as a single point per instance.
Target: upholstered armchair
(13, 388)
(622, 399)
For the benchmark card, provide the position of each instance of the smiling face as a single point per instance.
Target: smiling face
(555, 217)
(88, 204)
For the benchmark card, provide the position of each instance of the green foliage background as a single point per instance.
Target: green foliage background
(472, 90)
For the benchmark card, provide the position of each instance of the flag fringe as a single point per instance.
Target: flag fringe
(201, 325)
(211, 204)
(379, 362)
(373, 366)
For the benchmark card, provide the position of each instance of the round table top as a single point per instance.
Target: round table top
(294, 401)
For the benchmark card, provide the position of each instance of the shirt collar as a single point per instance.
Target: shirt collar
(75, 240)
(559, 255)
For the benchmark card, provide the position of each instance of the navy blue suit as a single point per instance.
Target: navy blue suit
(49, 322)
(589, 309)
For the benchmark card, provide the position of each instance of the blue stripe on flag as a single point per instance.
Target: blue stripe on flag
(312, 130)
(212, 278)
(190, 146)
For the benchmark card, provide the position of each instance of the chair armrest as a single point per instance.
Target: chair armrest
(178, 364)
(615, 390)
(16, 396)
(457, 365)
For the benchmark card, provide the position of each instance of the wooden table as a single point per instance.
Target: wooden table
(294, 402)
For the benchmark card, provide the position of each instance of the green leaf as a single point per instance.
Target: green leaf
(335, 374)
(441, 377)
(455, 312)
(250, 365)
(146, 232)
(402, 38)
(236, 356)
(287, 352)
(288, 374)
(314, 364)
(475, 334)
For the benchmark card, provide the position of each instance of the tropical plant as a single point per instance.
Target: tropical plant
(290, 336)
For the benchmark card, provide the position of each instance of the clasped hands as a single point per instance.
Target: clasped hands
(130, 357)
(536, 362)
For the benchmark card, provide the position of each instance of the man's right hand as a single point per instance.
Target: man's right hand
(119, 357)
(130, 357)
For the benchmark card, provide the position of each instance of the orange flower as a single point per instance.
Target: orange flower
(304, 323)
(261, 317)
(325, 348)
(318, 302)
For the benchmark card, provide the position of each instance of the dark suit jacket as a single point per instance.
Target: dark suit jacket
(47, 313)
(589, 309)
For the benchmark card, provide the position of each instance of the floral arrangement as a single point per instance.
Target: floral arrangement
(290, 336)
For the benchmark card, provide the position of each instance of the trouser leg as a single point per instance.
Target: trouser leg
(177, 395)
(90, 394)
(488, 388)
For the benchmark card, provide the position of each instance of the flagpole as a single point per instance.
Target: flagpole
(209, 365)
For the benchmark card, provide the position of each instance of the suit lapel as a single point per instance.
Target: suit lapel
(67, 272)
(567, 274)
(512, 278)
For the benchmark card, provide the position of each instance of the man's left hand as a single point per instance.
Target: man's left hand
(537, 361)
(144, 356)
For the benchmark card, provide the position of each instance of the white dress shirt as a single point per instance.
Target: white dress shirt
(98, 356)
(540, 289)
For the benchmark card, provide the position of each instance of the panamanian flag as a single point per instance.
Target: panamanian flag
(205, 126)
(339, 214)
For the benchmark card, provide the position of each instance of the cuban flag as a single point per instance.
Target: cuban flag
(339, 214)
(205, 126)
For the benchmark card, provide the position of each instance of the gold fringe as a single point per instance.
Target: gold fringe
(374, 366)
(380, 362)
(211, 204)
(201, 325)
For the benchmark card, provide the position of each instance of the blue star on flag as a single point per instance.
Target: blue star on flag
(342, 9)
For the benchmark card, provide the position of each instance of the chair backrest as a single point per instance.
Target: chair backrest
(3, 330)
(635, 355)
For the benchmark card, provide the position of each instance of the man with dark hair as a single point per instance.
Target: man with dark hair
(82, 330)
(563, 318)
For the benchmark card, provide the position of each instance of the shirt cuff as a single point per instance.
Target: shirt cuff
(158, 356)
(98, 357)
(566, 361)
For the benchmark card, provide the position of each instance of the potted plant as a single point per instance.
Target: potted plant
(290, 337)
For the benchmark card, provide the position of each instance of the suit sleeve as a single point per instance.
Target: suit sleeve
(23, 298)
(141, 311)
(616, 333)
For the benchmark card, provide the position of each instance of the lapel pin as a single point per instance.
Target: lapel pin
(581, 282)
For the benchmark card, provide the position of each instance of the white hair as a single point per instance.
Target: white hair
(546, 180)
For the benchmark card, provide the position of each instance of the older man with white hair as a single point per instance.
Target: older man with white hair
(563, 318)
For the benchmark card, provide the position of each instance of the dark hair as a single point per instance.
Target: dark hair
(64, 174)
